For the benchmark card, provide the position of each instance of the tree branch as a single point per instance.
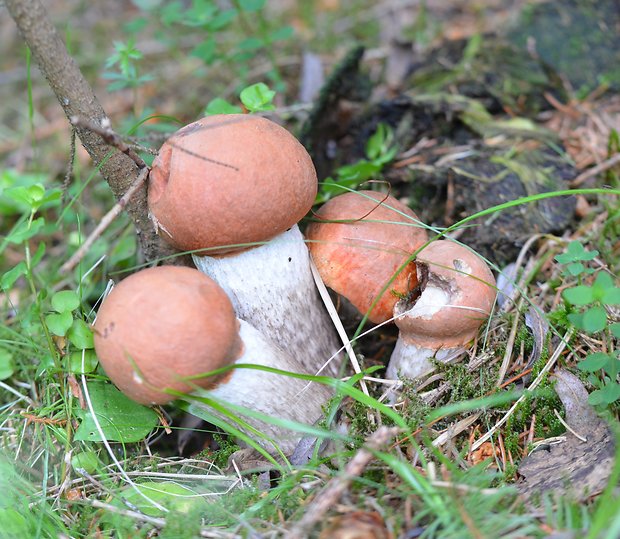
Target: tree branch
(78, 99)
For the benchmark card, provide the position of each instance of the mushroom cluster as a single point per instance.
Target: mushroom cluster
(168, 331)
(364, 243)
(233, 188)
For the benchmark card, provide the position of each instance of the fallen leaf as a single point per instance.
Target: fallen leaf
(536, 320)
(356, 525)
(484, 452)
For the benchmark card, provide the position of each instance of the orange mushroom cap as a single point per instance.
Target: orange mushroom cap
(162, 325)
(455, 302)
(230, 179)
(356, 259)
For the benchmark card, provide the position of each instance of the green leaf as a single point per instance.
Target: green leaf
(206, 51)
(257, 97)
(358, 172)
(52, 195)
(124, 249)
(90, 362)
(576, 319)
(576, 252)
(611, 296)
(38, 255)
(65, 301)
(221, 106)
(222, 20)
(23, 231)
(59, 324)
(10, 178)
(171, 12)
(172, 496)
(250, 44)
(579, 295)
(120, 418)
(86, 460)
(575, 268)
(281, 34)
(251, 5)
(594, 319)
(8, 279)
(615, 330)
(147, 5)
(80, 335)
(608, 394)
(7, 364)
(30, 196)
(379, 143)
(596, 397)
(594, 362)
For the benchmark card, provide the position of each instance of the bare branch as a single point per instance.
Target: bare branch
(78, 99)
(111, 138)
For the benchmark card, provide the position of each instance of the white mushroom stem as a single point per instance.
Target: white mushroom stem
(409, 360)
(277, 395)
(272, 288)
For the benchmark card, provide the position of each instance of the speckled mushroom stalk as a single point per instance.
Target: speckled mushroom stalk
(165, 328)
(235, 186)
(458, 293)
(359, 242)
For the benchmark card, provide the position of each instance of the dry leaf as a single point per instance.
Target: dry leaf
(484, 452)
(356, 525)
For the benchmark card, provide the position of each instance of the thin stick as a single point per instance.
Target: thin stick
(568, 427)
(335, 488)
(509, 345)
(331, 309)
(591, 172)
(105, 222)
(110, 137)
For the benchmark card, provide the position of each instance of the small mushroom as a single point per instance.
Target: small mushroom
(458, 293)
(359, 242)
(234, 187)
(163, 330)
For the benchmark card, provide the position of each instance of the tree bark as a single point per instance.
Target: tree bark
(77, 98)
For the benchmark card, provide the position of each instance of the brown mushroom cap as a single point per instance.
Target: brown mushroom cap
(358, 258)
(458, 278)
(162, 325)
(230, 179)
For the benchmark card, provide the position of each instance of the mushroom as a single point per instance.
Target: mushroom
(234, 187)
(162, 330)
(358, 244)
(458, 293)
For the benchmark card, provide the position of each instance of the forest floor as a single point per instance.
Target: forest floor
(497, 122)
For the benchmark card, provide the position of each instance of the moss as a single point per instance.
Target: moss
(510, 472)
(542, 403)
(227, 446)
(575, 38)
(416, 410)
(466, 385)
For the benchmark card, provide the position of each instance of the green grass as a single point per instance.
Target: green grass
(55, 481)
